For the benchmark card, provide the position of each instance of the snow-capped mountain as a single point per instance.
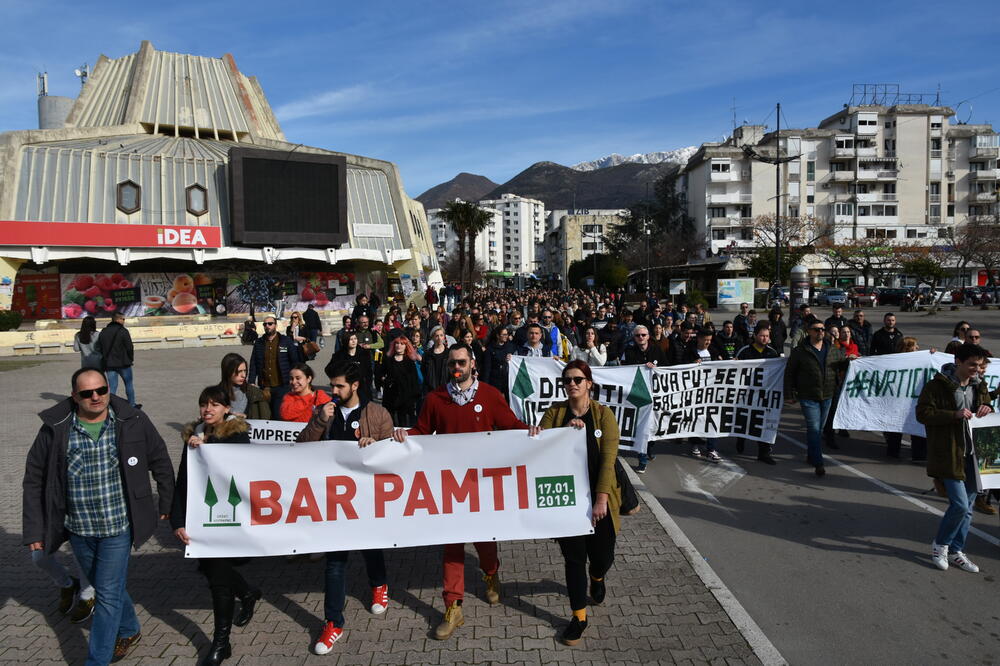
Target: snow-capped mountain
(679, 156)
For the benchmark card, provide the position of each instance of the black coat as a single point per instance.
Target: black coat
(750, 353)
(884, 342)
(363, 357)
(653, 354)
(861, 335)
(115, 345)
(494, 368)
(435, 369)
(233, 431)
(311, 320)
(400, 387)
(779, 334)
(43, 504)
(288, 355)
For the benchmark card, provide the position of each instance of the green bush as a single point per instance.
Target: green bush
(10, 320)
(695, 296)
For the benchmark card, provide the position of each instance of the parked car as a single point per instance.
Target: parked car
(973, 296)
(830, 297)
(892, 296)
(861, 296)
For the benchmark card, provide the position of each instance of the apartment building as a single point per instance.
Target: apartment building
(902, 172)
(523, 229)
(487, 244)
(574, 235)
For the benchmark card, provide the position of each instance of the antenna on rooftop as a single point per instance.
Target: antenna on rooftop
(83, 72)
(43, 84)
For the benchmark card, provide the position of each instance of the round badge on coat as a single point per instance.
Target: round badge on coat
(355, 424)
(597, 433)
(133, 461)
(478, 409)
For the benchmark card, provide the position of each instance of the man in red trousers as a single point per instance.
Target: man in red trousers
(464, 404)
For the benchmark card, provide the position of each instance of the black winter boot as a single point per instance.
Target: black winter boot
(248, 602)
(224, 606)
(764, 454)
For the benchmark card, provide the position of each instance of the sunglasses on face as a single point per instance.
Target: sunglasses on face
(642, 335)
(974, 337)
(268, 323)
(574, 380)
(964, 329)
(87, 394)
(818, 330)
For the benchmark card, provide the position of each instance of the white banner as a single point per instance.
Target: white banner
(718, 399)
(536, 383)
(880, 392)
(274, 432)
(281, 499)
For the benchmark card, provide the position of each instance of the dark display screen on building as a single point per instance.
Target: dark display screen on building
(287, 198)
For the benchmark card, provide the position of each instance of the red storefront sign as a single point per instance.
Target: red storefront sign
(36, 295)
(84, 234)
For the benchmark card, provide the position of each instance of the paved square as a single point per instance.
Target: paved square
(658, 610)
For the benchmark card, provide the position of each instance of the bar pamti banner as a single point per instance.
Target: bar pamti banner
(280, 499)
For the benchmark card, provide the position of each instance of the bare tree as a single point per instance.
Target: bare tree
(804, 231)
(872, 257)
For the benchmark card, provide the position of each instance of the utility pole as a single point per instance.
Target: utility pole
(777, 200)
(645, 231)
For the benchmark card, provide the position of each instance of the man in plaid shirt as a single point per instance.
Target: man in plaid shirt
(87, 480)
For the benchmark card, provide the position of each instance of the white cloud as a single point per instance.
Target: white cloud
(324, 103)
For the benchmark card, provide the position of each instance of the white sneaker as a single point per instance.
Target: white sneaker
(959, 559)
(696, 452)
(713, 457)
(939, 556)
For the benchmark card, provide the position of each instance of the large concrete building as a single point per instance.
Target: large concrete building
(574, 235)
(523, 231)
(175, 163)
(900, 171)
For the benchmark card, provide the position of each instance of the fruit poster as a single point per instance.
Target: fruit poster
(139, 294)
(326, 290)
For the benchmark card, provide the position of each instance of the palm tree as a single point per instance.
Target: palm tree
(467, 220)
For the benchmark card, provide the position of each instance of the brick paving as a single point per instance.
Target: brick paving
(657, 609)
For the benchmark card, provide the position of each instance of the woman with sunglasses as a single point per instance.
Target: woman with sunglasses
(959, 334)
(301, 401)
(215, 425)
(579, 411)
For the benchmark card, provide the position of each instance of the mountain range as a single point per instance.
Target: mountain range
(610, 182)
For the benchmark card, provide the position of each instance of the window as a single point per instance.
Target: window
(717, 211)
(838, 166)
(864, 211)
(793, 211)
(810, 170)
(890, 188)
(746, 234)
(810, 194)
(720, 167)
(951, 210)
(934, 210)
(890, 144)
(129, 197)
(746, 211)
(197, 200)
(888, 124)
(718, 234)
(935, 188)
(843, 209)
(845, 142)
(890, 233)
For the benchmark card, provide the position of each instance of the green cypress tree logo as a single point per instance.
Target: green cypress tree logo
(522, 383)
(639, 394)
(212, 498)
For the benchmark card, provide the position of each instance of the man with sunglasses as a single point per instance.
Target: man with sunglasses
(271, 362)
(811, 378)
(87, 481)
(464, 404)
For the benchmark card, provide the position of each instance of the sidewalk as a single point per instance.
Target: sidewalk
(659, 608)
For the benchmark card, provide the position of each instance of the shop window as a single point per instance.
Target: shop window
(196, 198)
(129, 197)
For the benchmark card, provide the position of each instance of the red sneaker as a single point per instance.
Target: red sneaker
(380, 599)
(330, 635)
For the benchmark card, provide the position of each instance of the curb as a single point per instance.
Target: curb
(754, 635)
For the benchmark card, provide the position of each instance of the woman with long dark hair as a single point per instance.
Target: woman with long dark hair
(246, 401)
(300, 403)
(353, 352)
(216, 424)
(85, 341)
(579, 411)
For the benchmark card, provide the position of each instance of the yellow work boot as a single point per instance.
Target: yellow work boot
(492, 587)
(453, 619)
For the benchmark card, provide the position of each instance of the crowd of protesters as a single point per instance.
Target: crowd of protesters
(443, 368)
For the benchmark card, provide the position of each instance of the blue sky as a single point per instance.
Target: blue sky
(492, 87)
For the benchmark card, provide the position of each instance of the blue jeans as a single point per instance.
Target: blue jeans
(336, 581)
(955, 523)
(815, 413)
(126, 375)
(104, 560)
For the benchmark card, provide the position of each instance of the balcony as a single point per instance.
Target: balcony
(795, 176)
(721, 176)
(984, 196)
(872, 174)
(933, 219)
(867, 151)
(729, 198)
(842, 153)
(875, 197)
(842, 197)
(983, 152)
(934, 198)
(842, 176)
(935, 154)
(793, 198)
(984, 174)
(984, 219)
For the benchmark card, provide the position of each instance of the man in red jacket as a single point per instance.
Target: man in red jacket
(464, 404)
